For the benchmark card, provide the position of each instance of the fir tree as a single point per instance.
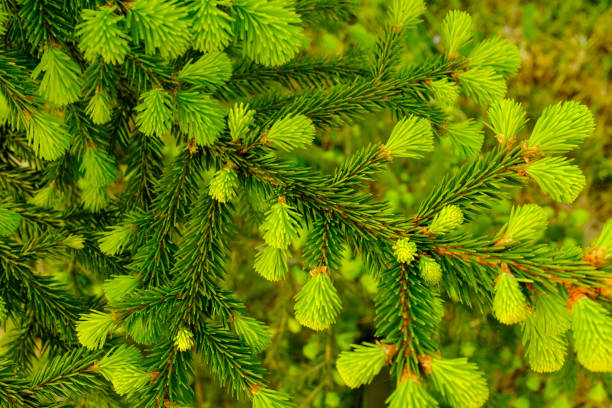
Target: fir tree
(141, 140)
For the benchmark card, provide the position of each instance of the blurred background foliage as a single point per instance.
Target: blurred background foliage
(565, 47)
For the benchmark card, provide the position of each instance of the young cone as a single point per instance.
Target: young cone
(404, 250)
(184, 339)
(291, 132)
(317, 304)
(430, 270)
(460, 382)
(411, 137)
(360, 365)
(449, 218)
(509, 302)
(9, 221)
(592, 330)
(281, 225)
(271, 263)
(223, 185)
(409, 393)
(252, 332)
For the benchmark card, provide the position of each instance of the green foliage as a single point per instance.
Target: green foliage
(507, 119)
(360, 365)
(48, 136)
(561, 127)
(199, 116)
(118, 287)
(497, 53)
(98, 167)
(116, 239)
(210, 70)
(483, 84)
(184, 339)
(271, 263)
(410, 394)
(526, 223)
(101, 35)
(460, 382)
(280, 227)
(154, 112)
(291, 132)
(456, 31)
(223, 185)
(446, 93)
(99, 108)
(545, 352)
(550, 315)
(240, 118)
(317, 304)
(509, 303)
(61, 79)
(270, 30)
(449, 218)
(124, 368)
(143, 144)
(9, 221)
(592, 330)
(466, 137)
(212, 27)
(405, 13)
(93, 328)
(558, 177)
(161, 26)
(268, 398)
(252, 332)
(411, 137)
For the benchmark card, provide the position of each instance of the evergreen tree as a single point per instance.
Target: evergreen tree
(139, 138)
